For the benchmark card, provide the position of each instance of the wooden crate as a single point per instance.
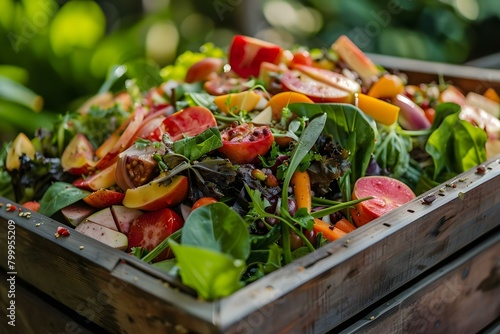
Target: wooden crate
(462, 296)
(321, 291)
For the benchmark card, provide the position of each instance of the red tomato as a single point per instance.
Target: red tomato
(244, 143)
(388, 194)
(203, 201)
(224, 85)
(430, 113)
(302, 58)
(247, 53)
(201, 70)
(315, 90)
(190, 122)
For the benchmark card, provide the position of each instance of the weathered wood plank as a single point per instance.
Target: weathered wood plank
(34, 314)
(461, 297)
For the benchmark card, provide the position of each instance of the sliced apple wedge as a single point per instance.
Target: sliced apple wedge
(124, 217)
(104, 218)
(156, 195)
(330, 78)
(77, 212)
(236, 102)
(103, 234)
(102, 179)
(78, 156)
(103, 198)
(21, 145)
(355, 59)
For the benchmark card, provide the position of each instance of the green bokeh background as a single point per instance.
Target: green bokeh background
(62, 50)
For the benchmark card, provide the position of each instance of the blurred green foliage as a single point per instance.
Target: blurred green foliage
(63, 49)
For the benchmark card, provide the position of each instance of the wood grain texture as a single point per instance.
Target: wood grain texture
(461, 297)
(35, 315)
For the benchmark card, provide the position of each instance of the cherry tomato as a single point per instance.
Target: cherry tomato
(315, 90)
(203, 201)
(430, 113)
(201, 70)
(302, 57)
(244, 143)
(190, 121)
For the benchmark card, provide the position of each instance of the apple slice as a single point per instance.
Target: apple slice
(236, 102)
(156, 195)
(21, 145)
(247, 53)
(104, 218)
(77, 212)
(102, 179)
(355, 59)
(330, 78)
(103, 198)
(388, 194)
(124, 217)
(103, 234)
(78, 156)
(133, 124)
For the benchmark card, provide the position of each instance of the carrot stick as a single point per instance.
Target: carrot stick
(301, 184)
(328, 231)
(345, 225)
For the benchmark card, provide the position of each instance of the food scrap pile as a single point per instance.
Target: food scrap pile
(224, 167)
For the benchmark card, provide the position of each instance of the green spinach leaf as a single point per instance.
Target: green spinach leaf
(211, 273)
(58, 196)
(350, 128)
(217, 227)
(194, 147)
(456, 146)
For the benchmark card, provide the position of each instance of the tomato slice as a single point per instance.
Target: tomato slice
(190, 122)
(244, 143)
(225, 84)
(315, 90)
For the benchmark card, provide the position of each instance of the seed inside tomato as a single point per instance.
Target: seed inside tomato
(245, 142)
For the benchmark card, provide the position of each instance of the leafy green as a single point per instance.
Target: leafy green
(456, 146)
(350, 128)
(195, 147)
(145, 74)
(184, 61)
(392, 150)
(212, 274)
(219, 228)
(58, 196)
(214, 245)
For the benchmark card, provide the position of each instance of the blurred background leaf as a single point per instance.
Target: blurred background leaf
(63, 50)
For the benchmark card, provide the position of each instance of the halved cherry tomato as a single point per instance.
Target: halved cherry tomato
(315, 90)
(244, 143)
(302, 57)
(190, 122)
(430, 113)
(203, 201)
